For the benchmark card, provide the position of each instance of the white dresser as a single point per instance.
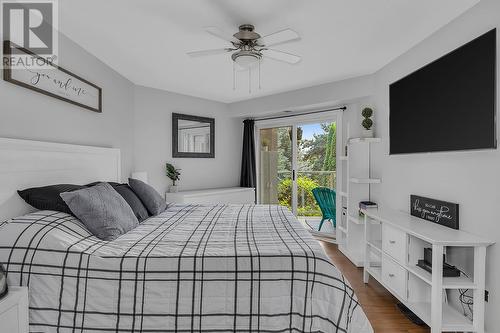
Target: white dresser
(228, 195)
(14, 311)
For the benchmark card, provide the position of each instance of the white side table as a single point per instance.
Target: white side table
(14, 311)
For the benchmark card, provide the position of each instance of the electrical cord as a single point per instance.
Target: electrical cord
(466, 300)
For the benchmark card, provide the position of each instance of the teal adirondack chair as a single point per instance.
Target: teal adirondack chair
(326, 198)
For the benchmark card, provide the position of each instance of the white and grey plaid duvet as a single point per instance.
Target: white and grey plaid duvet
(224, 268)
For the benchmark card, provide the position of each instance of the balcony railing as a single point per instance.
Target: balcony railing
(306, 182)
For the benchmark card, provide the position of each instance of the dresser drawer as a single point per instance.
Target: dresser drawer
(230, 195)
(394, 277)
(394, 243)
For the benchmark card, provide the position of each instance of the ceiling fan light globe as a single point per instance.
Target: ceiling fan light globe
(246, 59)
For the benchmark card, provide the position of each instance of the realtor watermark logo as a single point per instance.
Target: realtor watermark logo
(29, 32)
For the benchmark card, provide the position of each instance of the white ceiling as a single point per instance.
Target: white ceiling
(147, 40)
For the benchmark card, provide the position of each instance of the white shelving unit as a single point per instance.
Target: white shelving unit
(398, 240)
(357, 183)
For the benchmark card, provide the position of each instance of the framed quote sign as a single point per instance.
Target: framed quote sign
(437, 211)
(51, 80)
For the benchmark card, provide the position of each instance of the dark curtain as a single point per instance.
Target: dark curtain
(248, 174)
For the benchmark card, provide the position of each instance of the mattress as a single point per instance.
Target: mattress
(193, 268)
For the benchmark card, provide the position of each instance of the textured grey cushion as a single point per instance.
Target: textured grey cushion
(149, 197)
(103, 211)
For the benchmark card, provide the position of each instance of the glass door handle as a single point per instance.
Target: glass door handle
(293, 175)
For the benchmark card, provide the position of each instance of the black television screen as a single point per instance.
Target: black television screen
(448, 104)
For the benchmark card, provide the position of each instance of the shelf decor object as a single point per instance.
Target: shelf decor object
(367, 122)
(397, 240)
(174, 174)
(437, 211)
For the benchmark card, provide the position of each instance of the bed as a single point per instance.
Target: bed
(193, 268)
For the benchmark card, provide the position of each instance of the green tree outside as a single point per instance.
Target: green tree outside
(315, 154)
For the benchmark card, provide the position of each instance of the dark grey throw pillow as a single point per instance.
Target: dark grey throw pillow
(149, 196)
(103, 211)
(133, 200)
(130, 197)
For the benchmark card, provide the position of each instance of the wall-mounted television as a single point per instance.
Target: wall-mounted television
(449, 104)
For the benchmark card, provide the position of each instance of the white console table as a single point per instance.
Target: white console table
(228, 195)
(395, 241)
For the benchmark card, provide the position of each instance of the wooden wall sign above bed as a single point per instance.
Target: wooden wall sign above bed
(50, 79)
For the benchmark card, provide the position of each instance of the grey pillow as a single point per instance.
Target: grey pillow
(148, 195)
(103, 211)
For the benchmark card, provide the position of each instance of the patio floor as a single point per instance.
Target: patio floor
(312, 223)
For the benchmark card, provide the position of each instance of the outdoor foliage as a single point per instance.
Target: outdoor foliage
(305, 185)
(316, 154)
(330, 162)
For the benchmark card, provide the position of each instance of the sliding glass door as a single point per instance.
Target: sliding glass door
(316, 165)
(293, 160)
(276, 169)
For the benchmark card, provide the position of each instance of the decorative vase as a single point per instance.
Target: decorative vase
(368, 133)
(173, 189)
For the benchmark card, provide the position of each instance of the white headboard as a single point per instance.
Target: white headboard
(25, 163)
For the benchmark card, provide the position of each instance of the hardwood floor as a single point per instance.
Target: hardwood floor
(378, 304)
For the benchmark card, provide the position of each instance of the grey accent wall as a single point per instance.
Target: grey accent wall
(25, 114)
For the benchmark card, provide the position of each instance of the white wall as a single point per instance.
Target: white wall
(470, 178)
(354, 93)
(317, 97)
(153, 141)
(25, 114)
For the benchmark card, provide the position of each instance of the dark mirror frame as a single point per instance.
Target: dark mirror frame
(175, 137)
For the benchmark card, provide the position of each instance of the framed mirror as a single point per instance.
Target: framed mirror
(193, 136)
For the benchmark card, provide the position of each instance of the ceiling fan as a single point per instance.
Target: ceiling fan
(249, 47)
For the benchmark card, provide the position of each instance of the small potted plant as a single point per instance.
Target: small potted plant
(173, 174)
(367, 123)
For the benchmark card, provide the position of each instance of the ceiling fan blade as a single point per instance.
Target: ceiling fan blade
(214, 31)
(207, 52)
(281, 56)
(280, 37)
